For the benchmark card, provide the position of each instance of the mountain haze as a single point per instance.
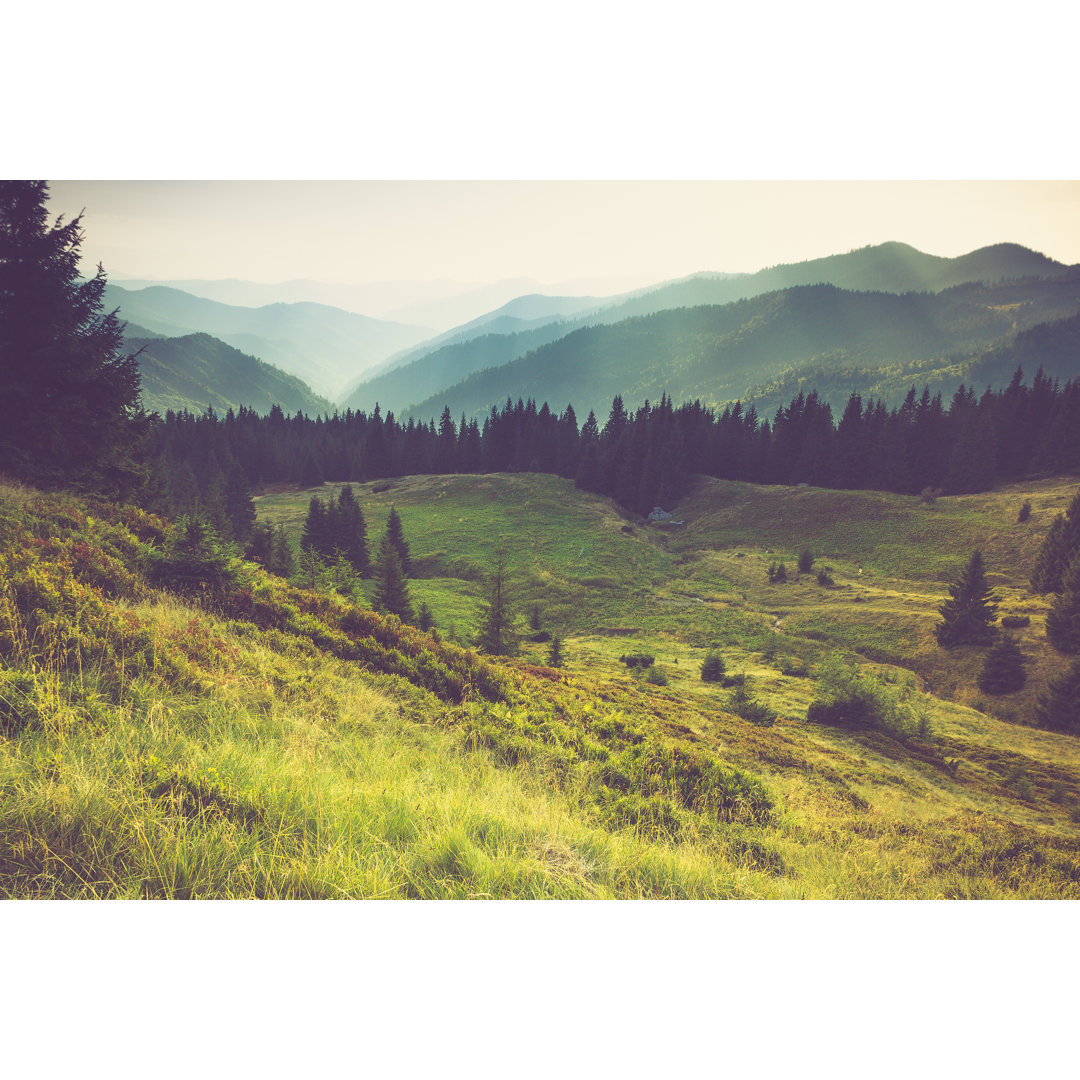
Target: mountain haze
(324, 346)
(720, 353)
(891, 267)
(197, 370)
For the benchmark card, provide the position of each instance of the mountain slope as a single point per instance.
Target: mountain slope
(890, 267)
(718, 354)
(198, 370)
(324, 346)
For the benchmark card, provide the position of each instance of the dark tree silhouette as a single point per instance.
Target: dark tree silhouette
(967, 614)
(69, 412)
(1063, 618)
(1058, 706)
(1003, 669)
(391, 590)
(397, 538)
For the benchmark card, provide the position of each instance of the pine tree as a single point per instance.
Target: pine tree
(350, 531)
(69, 406)
(967, 614)
(555, 653)
(496, 634)
(1063, 618)
(1003, 669)
(1058, 706)
(425, 620)
(316, 534)
(391, 590)
(397, 538)
(1060, 545)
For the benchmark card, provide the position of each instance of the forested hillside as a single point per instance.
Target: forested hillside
(720, 354)
(198, 371)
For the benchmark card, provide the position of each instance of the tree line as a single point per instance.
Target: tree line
(641, 459)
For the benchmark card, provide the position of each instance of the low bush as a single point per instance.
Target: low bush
(634, 660)
(656, 677)
(1015, 622)
(743, 703)
(713, 668)
(847, 699)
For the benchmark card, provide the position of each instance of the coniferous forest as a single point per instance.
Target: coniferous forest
(641, 459)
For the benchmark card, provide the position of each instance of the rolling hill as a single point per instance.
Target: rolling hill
(890, 267)
(720, 354)
(198, 370)
(322, 345)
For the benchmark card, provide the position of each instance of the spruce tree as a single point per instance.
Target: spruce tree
(69, 406)
(391, 590)
(397, 538)
(967, 614)
(497, 634)
(316, 534)
(1063, 618)
(1003, 669)
(350, 531)
(1058, 706)
(1059, 546)
(555, 653)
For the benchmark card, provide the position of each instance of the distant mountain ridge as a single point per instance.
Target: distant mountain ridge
(197, 370)
(718, 353)
(891, 267)
(324, 346)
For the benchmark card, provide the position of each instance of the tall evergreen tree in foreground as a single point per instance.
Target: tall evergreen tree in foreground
(69, 412)
(967, 614)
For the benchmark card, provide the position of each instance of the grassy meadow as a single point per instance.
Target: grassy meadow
(266, 741)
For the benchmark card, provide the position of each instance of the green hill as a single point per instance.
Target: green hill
(322, 345)
(195, 371)
(891, 267)
(720, 354)
(247, 738)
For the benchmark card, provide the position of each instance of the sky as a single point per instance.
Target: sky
(551, 231)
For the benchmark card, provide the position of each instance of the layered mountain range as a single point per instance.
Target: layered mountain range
(874, 320)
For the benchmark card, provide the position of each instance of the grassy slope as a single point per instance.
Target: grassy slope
(152, 748)
(612, 586)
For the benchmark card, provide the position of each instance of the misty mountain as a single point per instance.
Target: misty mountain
(198, 370)
(890, 267)
(722, 353)
(324, 346)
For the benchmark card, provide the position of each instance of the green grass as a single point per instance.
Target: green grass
(280, 746)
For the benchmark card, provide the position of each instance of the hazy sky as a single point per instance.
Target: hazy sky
(482, 231)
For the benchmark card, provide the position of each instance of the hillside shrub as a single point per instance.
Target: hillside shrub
(742, 703)
(777, 574)
(636, 660)
(1025, 511)
(656, 677)
(1015, 622)
(847, 699)
(195, 561)
(713, 668)
(806, 561)
(824, 579)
